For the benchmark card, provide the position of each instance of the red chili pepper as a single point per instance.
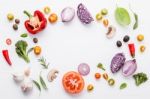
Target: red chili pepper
(6, 56)
(132, 49)
(36, 23)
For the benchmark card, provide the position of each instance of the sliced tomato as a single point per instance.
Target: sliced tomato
(73, 82)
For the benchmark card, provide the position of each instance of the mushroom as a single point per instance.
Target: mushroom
(52, 75)
(111, 32)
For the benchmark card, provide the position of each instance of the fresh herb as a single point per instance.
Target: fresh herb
(43, 82)
(100, 65)
(42, 61)
(123, 85)
(37, 85)
(136, 21)
(30, 50)
(24, 35)
(140, 78)
(122, 16)
(21, 47)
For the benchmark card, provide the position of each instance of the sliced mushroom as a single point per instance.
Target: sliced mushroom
(111, 32)
(52, 75)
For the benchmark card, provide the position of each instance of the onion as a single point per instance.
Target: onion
(129, 67)
(84, 69)
(117, 62)
(67, 14)
(84, 15)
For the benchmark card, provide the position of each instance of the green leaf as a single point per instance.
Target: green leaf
(122, 16)
(123, 85)
(37, 84)
(43, 83)
(30, 50)
(136, 21)
(24, 35)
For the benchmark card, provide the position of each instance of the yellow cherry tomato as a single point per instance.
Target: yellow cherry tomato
(90, 87)
(142, 48)
(105, 22)
(140, 37)
(53, 18)
(37, 50)
(10, 16)
(99, 16)
(47, 10)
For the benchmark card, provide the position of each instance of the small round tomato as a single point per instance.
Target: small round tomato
(97, 75)
(73, 82)
(8, 41)
(53, 18)
(37, 50)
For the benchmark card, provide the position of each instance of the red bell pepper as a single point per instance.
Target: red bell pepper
(6, 56)
(36, 22)
(132, 49)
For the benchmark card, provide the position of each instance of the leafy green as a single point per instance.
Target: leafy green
(37, 84)
(30, 50)
(24, 35)
(43, 82)
(122, 16)
(21, 47)
(140, 78)
(136, 21)
(42, 61)
(123, 85)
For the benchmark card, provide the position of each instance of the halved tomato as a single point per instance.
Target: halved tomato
(73, 82)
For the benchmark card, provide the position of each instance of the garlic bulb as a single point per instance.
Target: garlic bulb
(27, 86)
(18, 77)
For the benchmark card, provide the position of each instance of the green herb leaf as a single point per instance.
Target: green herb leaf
(37, 85)
(123, 85)
(136, 21)
(24, 35)
(30, 50)
(122, 16)
(100, 65)
(43, 62)
(43, 82)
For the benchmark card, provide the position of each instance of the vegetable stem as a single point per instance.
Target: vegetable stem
(27, 13)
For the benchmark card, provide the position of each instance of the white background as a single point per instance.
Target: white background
(67, 45)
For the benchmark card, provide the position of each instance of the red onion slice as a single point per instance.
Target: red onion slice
(84, 69)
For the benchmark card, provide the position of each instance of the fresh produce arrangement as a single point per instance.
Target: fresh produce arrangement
(73, 80)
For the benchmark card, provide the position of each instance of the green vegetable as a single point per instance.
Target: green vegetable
(43, 62)
(136, 21)
(100, 65)
(21, 47)
(123, 85)
(30, 50)
(43, 82)
(122, 16)
(24, 35)
(140, 78)
(37, 85)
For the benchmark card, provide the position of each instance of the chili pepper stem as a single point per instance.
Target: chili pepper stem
(27, 13)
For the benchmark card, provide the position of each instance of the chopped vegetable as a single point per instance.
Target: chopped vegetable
(53, 18)
(6, 56)
(142, 48)
(8, 41)
(21, 47)
(105, 76)
(43, 62)
(129, 67)
(104, 11)
(37, 50)
(24, 35)
(90, 87)
(117, 62)
(122, 16)
(100, 65)
(97, 75)
(84, 69)
(140, 37)
(111, 82)
(67, 14)
(140, 78)
(99, 17)
(47, 10)
(132, 49)
(105, 22)
(43, 83)
(83, 14)
(123, 85)
(37, 85)
(10, 16)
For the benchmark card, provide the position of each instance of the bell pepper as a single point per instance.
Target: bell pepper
(36, 22)
(132, 49)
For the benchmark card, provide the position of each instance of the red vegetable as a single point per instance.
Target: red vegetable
(6, 56)
(35, 23)
(132, 49)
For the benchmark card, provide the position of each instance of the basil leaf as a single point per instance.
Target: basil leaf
(24, 35)
(123, 85)
(122, 16)
(136, 21)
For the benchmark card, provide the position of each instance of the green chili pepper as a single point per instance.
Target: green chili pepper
(24, 35)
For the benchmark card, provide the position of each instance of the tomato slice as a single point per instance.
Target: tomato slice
(73, 82)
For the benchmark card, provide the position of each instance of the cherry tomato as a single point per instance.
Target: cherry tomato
(97, 75)
(73, 82)
(53, 18)
(37, 50)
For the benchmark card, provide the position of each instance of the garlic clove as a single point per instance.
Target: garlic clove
(18, 77)
(27, 72)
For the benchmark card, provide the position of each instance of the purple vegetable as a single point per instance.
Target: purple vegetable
(129, 67)
(83, 14)
(117, 62)
(84, 69)
(67, 14)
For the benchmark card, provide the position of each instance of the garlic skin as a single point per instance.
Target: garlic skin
(27, 72)
(27, 86)
(18, 77)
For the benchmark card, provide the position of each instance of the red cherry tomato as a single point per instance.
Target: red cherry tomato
(73, 82)
(8, 41)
